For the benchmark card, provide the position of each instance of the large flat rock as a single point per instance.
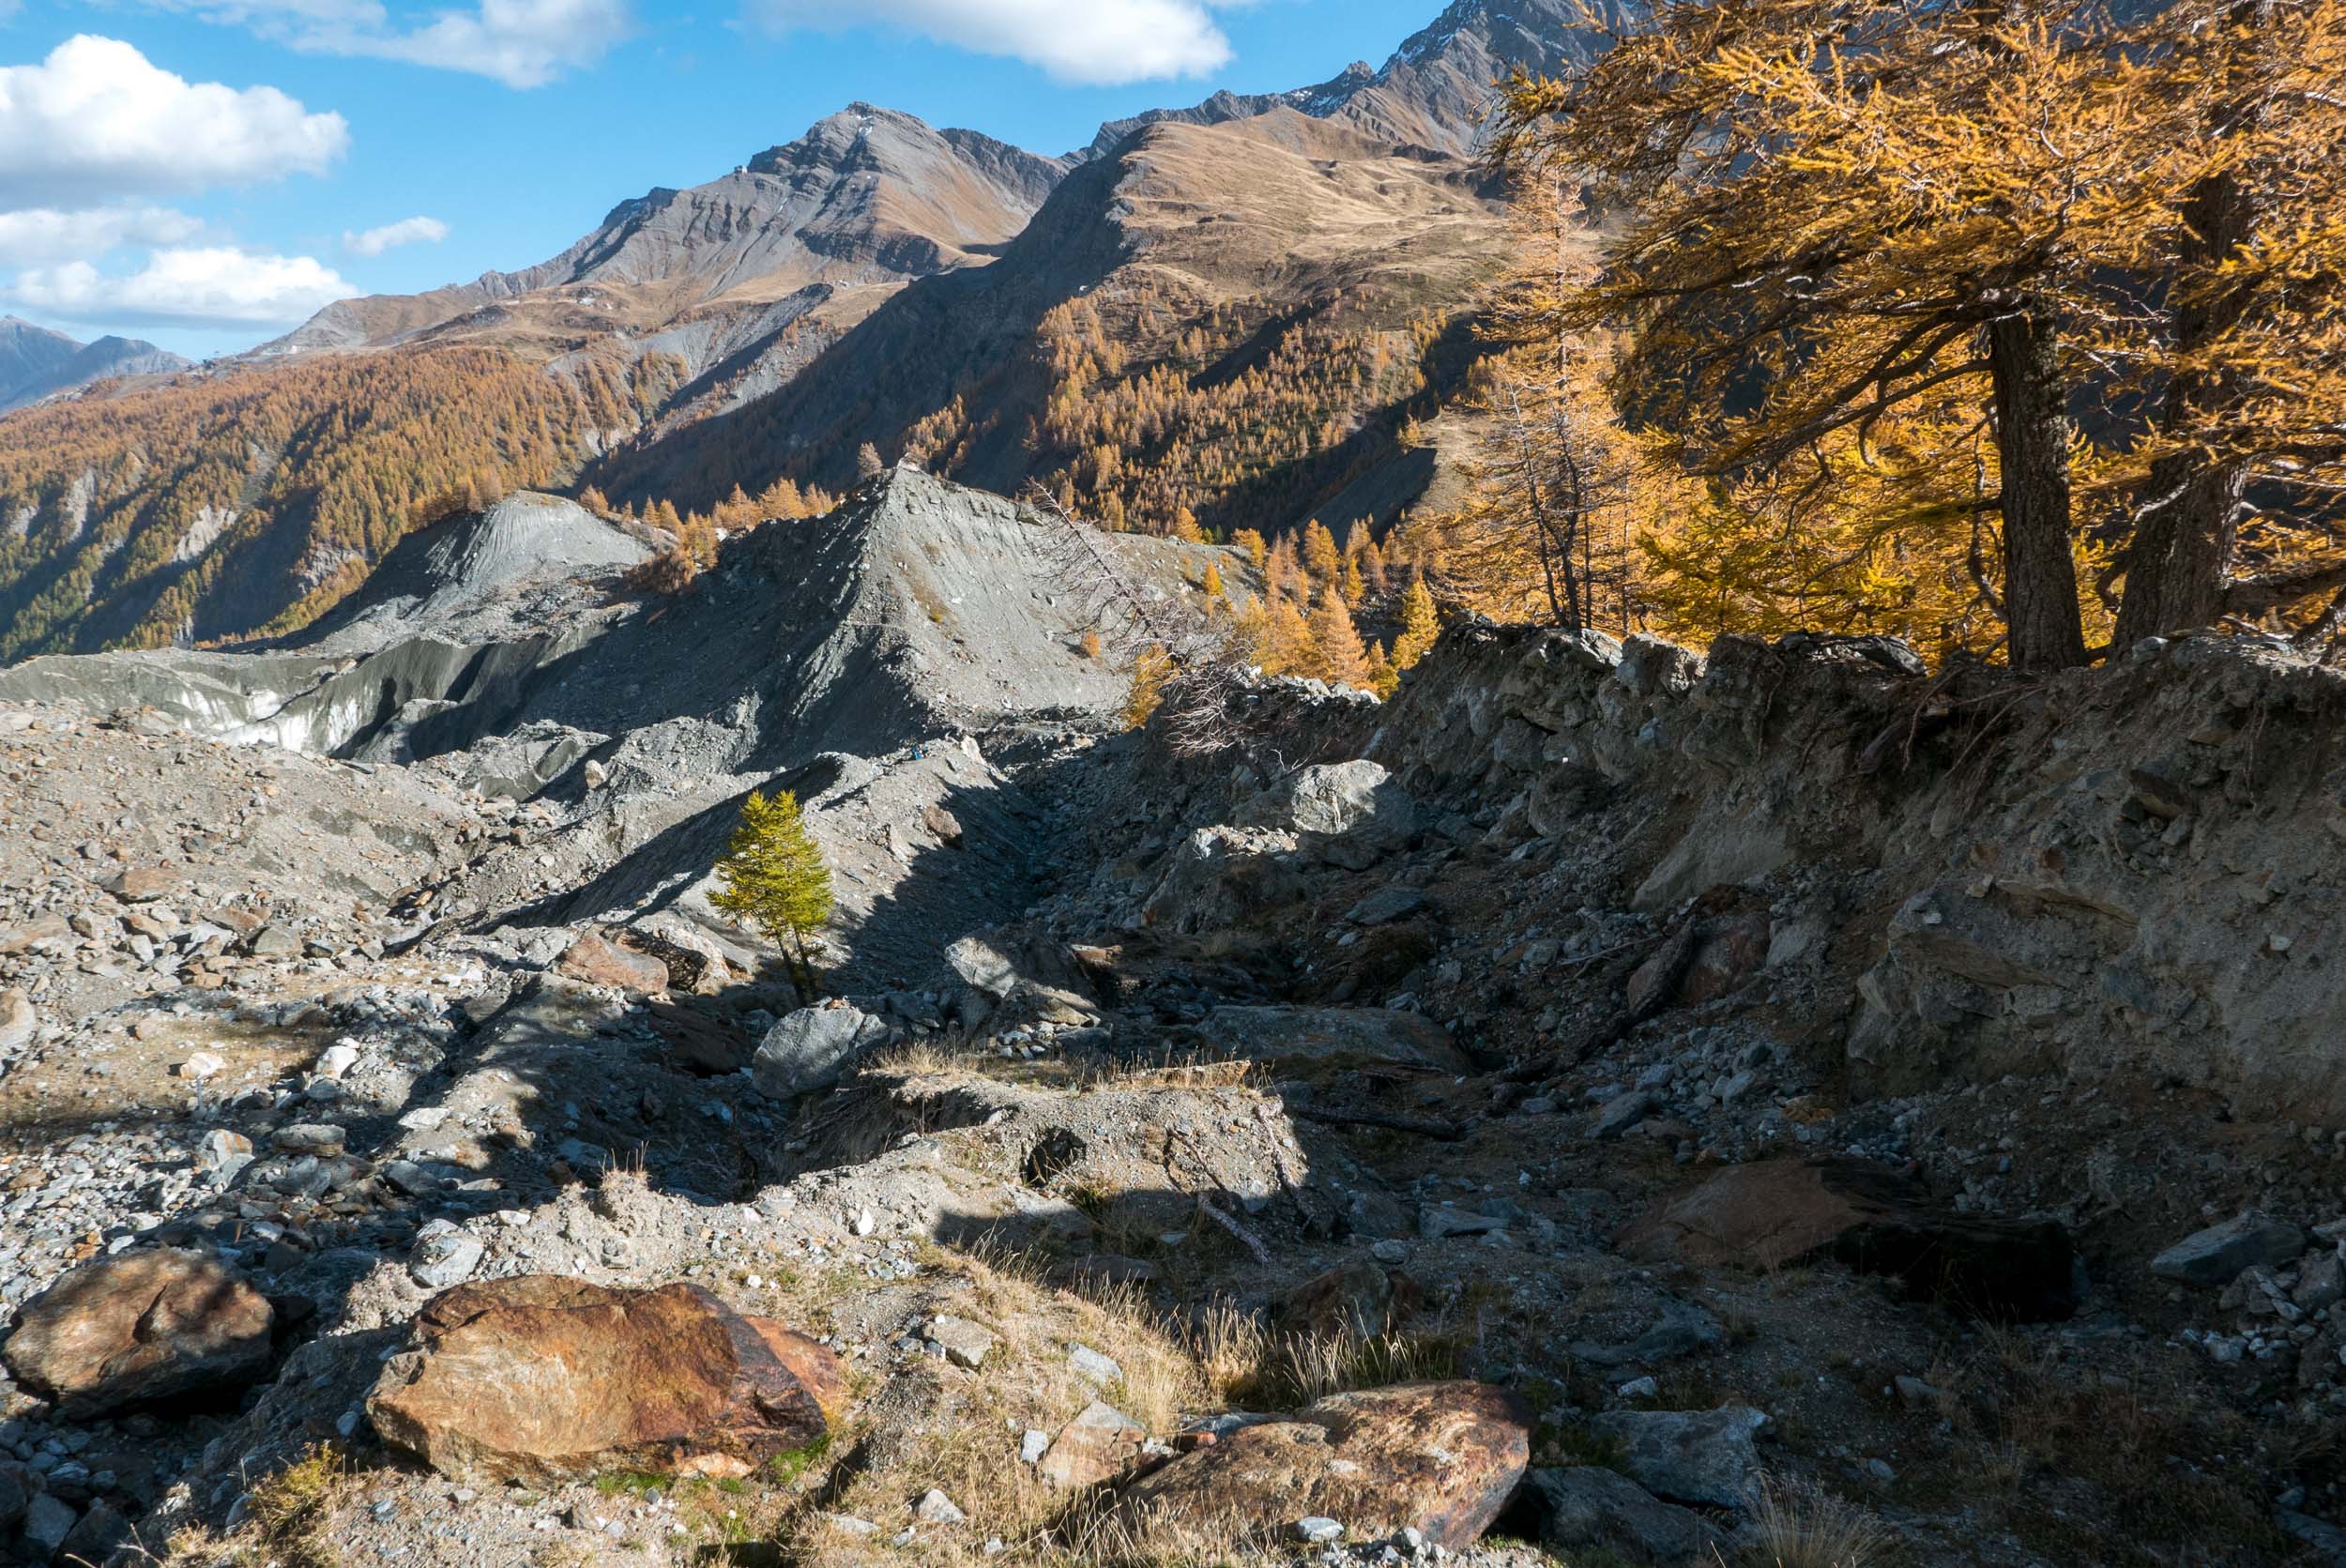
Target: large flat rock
(1440, 1457)
(544, 1378)
(139, 1328)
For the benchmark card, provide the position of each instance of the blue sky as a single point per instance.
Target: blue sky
(203, 172)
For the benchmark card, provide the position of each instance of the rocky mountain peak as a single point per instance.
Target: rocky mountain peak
(37, 362)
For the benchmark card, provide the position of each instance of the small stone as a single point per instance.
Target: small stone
(2216, 1257)
(963, 1343)
(1622, 1112)
(1032, 1445)
(336, 1060)
(936, 1508)
(321, 1138)
(1915, 1395)
(46, 1524)
(443, 1258)
(1639, 1388)
(1386, 905)
(1319, 1531)
(1091, 1363)
(202, 1065)
(224, 1152)
(1438, 1219)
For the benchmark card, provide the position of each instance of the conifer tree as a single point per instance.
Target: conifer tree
(1211, 584)
(1153, 668)
(1338, 657)
(1287, 641)
(1871, 212)
(867, 460)
(1258, 552)
(1321, 557)
(774, 876)
(1420, 625)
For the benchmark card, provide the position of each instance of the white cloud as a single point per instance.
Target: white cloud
(407, 231)
(96, 120)
(1091, 42)
(199, 287)
(42, 234)
(522, 43)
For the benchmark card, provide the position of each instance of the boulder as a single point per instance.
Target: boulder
(1357, 1298)
(19, 1023)
(47, 1526)
(811, 1048)
(1441, 1458)
(1219, 879)
(1347, 814)
(1700, 1456)
(1870, 1217)
(1584, 1509)
(140, 1327)
(1098, 1444)
(2217, 1255)
(597, 960)
(19, 1485)
(547, 1380)
(1385, 906)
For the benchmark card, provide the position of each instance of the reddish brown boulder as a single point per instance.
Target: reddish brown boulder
(546, 1380)
(1874, 1219)
(1440, 1457)
(598, 961)
(1357, 1298)
(142, 884)
(138, 1328)
(1098, 1444)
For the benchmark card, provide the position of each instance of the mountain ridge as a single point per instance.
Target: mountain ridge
(1246, 305)
(37, 362)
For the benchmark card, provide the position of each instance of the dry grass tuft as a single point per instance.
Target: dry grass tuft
(968, 1428)
(1231, 1346)
(1248, 1363)
(1101, 1536)
(1796, 1525)
(291, 1512)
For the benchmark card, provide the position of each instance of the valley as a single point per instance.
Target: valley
(1575, 802)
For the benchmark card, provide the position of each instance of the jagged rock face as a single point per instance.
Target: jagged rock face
(1434, 92)
(2095, 880)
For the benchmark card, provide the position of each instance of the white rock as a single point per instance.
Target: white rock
(1091, 1363)
(202, 1065)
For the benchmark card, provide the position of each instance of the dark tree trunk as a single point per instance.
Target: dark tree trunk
(2045, 631)
(2182, 552)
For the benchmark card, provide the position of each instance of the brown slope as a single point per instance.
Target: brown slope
(1259, 276)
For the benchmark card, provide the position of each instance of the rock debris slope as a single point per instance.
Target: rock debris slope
(1608, 1103)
